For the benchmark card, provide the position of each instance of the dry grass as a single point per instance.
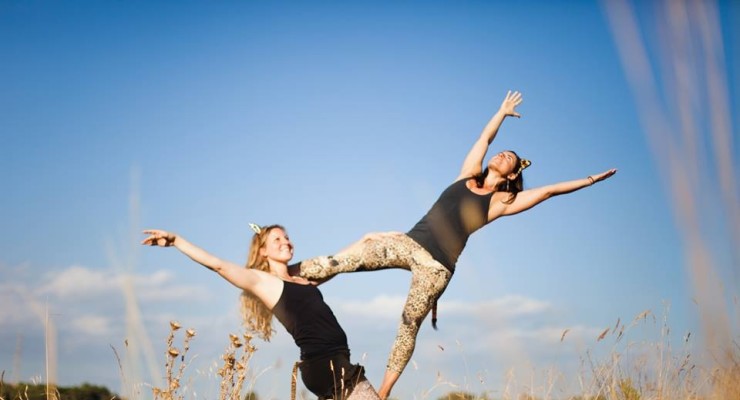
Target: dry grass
(629, 370)
(171, 389)
(232, 373)
(234, 370)
(633, 360)
(638, 370)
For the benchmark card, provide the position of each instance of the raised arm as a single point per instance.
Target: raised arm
(529, 198)
(473, 163)
(265, 286)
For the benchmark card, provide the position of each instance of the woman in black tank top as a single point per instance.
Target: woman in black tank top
(430, 249)
(299, 306)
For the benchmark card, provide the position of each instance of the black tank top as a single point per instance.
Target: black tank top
(304, 314)
(445, 229)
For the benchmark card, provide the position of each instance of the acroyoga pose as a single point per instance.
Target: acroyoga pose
(299, 306)
(477, 197)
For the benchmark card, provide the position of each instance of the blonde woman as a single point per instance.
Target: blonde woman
(478, 196)
(268, 290)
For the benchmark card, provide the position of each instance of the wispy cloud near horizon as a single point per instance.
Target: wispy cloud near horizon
(88, 297)
(386, 307)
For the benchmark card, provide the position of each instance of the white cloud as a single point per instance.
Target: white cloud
(501, 339)
(158, 278)
(78, 282)
(161, 286)
(484, 330)
(381, 307)
(511, 330)
(505, 307)
(15, 309)
(172, 293)
(93, 325)
(578, 334)
(86, 305)
(513, 342)
(390, 307)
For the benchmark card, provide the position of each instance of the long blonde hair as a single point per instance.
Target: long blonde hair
(257, 317)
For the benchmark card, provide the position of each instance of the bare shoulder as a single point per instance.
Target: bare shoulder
(262, 275)
(497, 207)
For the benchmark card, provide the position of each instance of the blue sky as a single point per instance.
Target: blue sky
(334, 120)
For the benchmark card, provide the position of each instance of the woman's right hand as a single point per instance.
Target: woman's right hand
(512, 100)
(159, 238)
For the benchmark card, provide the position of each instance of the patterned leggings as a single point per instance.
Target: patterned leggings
(428, 282)
(363, 391)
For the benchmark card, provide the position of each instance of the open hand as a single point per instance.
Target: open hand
(604, 175)
(512, 100)
(159, 238)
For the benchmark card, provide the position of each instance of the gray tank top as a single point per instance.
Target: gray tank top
(445, 229)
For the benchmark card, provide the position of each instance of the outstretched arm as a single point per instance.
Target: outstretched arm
(529, 198)
(473, 163)
(265, 286)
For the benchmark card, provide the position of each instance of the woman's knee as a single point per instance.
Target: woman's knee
(315, 268)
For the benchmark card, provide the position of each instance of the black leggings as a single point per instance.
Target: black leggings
(331, 377)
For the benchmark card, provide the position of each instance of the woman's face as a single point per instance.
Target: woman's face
(278, 246)
(504, 163)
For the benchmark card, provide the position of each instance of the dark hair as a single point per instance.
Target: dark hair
(511, 186)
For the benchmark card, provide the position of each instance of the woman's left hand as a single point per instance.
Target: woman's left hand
(604, 175)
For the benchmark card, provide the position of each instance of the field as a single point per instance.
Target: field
(646, 370)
